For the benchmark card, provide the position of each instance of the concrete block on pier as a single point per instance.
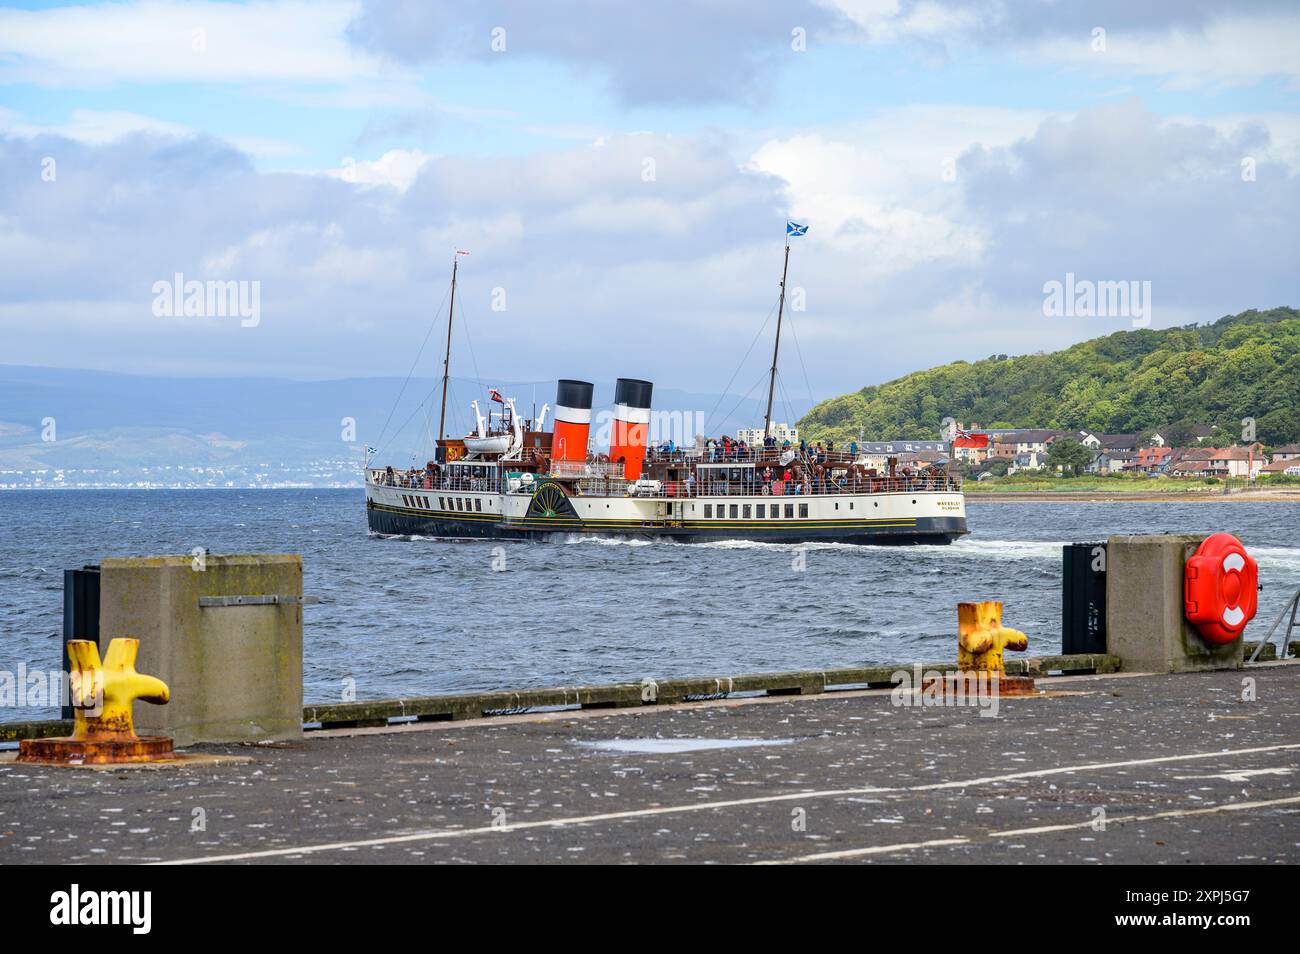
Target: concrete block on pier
(224, 632)
(1145, 625)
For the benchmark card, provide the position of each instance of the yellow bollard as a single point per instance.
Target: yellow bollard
(981, 637)
(102, 696)
(981, 640)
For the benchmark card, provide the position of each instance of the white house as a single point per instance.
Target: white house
(782, 433)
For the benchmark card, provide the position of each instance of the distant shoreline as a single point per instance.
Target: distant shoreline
(1133, 496)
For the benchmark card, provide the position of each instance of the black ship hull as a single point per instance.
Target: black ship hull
(391, 521)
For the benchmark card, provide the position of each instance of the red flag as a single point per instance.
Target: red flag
(496, 396)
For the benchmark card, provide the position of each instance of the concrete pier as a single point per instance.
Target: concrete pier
(1115, 768)
(225, 632)
(1146, 626)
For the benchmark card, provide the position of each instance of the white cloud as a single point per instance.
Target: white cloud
(1242, 48)
(1191, 44)
(150, 41)
(606, 273)
(98, 127)
(396, 168)
(889, 186)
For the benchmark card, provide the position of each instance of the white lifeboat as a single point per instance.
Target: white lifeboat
(493, 444)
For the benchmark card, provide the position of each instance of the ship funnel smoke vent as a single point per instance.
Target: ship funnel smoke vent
(631, 425)
(572, 421)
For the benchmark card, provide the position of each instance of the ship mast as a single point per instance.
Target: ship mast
(446, 361)
(776, 348)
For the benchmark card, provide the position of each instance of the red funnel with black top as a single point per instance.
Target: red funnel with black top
(631, 430)
(572, 420)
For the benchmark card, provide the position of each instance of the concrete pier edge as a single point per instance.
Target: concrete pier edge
(648, 692)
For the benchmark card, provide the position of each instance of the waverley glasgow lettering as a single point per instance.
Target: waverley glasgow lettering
(75, 907)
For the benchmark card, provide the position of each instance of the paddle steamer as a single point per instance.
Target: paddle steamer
(515, 479)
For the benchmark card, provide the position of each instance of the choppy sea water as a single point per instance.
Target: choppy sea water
(418, 616)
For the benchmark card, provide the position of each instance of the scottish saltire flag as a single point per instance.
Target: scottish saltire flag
(371, 450)
(795, 229)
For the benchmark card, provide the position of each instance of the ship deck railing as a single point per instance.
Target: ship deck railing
(609, 486)
(684, 490)
(756, 455)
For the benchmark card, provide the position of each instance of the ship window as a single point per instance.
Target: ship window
(734, 508)
(708, 510)
(789, 511)
(760, 510)
(747, 511)
(803, 510)
(468, 505)
(850, 504)
(442, 503)
(478, 504)
(722, 511)
(775, 511)
(460, 503)
(837, 505)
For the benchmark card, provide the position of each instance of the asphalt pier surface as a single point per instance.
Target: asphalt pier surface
(1137, 769)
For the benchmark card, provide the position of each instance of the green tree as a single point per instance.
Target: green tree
(1069, 455)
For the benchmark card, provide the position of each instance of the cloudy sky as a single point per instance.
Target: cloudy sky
(622, 173)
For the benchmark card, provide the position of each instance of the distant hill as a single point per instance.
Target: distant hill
(1245, 365)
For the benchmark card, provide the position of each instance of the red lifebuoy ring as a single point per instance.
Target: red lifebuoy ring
(1220, 589)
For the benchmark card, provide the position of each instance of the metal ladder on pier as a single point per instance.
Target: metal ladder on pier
(1293, 607)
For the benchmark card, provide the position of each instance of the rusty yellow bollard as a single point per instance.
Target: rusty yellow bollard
(981, 637)
(981, 640)
(102, 696)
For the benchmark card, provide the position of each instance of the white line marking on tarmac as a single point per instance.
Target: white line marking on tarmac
(1244, 775)
(863, 852)
(445, 833)
(1173, 813)
(1021, 832)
